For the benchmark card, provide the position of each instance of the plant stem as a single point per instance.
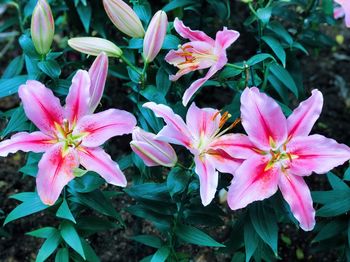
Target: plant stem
(235, 66)
(127, 61)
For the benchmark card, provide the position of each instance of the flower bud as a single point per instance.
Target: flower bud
(98, 75)
(155, 35)
(152, 151)
(124, 18)
(42, 27)
(94, 46)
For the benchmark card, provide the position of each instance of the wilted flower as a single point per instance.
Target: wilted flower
(284, 152)
(94, 46)
(68, 136)
(203, 135)
(124, 18)
(151, 150)
(42, 27)
(155, 35)
(201, 52)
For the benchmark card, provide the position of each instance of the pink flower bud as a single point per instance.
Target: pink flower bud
(94, 46)
(124, 18)
(42, 27)
(155, 35)
(152, 151)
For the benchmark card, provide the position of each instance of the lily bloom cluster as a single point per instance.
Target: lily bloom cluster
(276, 152)
(70, 135)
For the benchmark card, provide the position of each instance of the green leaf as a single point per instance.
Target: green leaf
(62, 255)
(264, 14)
(161, 255)
(276, 47)
(50, 68)
(148, 240)
(250, 240)
(149, 191)
(281, 32)
(89, 252)
(331, 229)
(279, 87)
(49, 246)
(143, 11)
(170, 42)
(176, 4)
(28, 47)
(14, 68)
(336, 182)
(71, 237)
(87, 183)
(152, 93)
(177, 181)
(44, 232)
(31, 204)
(283, 75)
(259, 58)
(91, 225)
(162, 81)
(195, 236)
(18, 122)
(265, 223)
(84, 12)
(347, 174)
(160, 220)
(64, 212)
(334, 208)
(10, 86)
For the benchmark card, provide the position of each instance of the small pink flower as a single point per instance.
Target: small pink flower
(284, 152)
(203, 136)
(343, 10)
(151, 150)
(155, 35)
(69, 136)
(200, 53)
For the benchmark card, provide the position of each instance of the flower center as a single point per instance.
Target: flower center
(192, 59)
(65, 134)
(281, 157)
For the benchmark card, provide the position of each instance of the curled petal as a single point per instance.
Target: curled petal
(226, 38)
(297, 194)
(35, 142)
(208, 178)
(236, 145)
(252, 182)
(41, 106)
(303, 118)
(192, 35)
(94, 46)
(317, 154)
(202, 122)
(97, 160)
(78, 98)
(98, 75)
(100, 127)
(55, 171)
(175, 131)
(262, 119)
(223, 161)
(199, 82)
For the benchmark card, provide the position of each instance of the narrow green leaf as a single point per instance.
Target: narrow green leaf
(331, 229)
(276, 47)
(148, 240)
(50, 68)
(259, 58)
(64, 212)
(283, 75)
(89, 251)
(195, 236)
(161, 255)
(250, 240)
(14, 68)
(10, 86)
(49, 246)
(264, 14)
(44, 232)
(84, 12)
(336, 182)
(62, 255)
(176, 4)
(18, 122)
(176, 181)
(71, 237)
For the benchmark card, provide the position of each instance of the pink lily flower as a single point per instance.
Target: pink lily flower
(203, 136)
(284, 153)
(68, 135)
(343, 10)
(200, 53)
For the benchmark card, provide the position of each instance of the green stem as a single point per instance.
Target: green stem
(127, 61)
(16, 5)
(235, 66)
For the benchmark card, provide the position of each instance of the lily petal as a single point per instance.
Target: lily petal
(303, 118)
(208, 178)
(55, 171)
(100, 127)
(175, 131)
(97, 160)
(262, 119)
(35, 142)
(226, 37)
(252, 183)
(192, 35)
(345, 4)
(297, 194)
(41, 106)
(202, 122)
(236, 145)
(78, 98)
(222, 60)
(223, 161)
(317, 154)
(98, 75)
